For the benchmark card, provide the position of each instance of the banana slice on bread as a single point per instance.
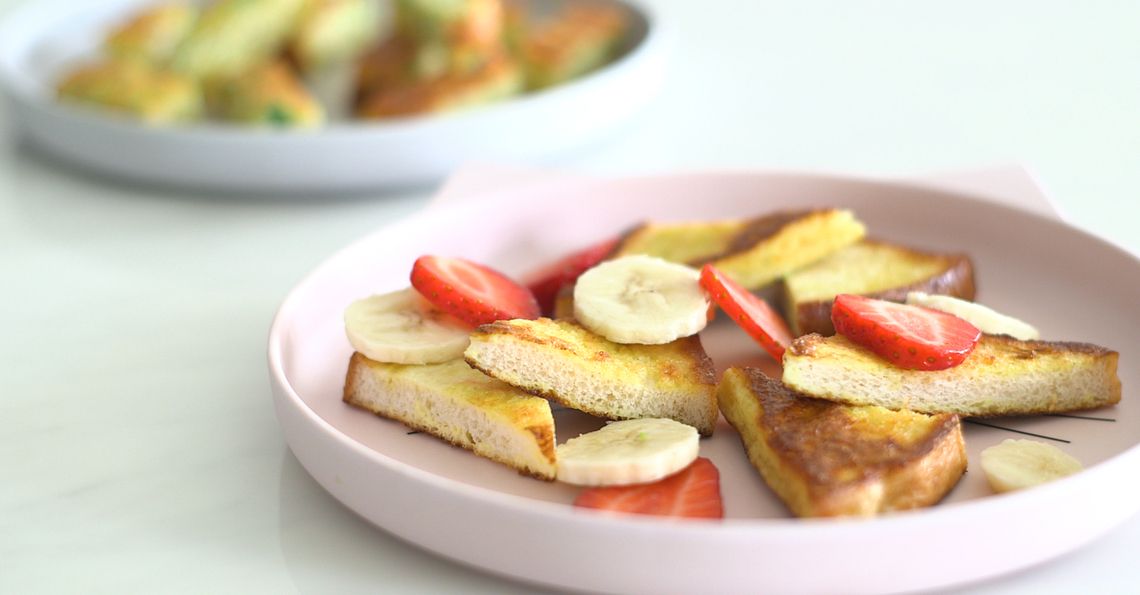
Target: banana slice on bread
(641, 299)
(986, 319)
(403, 328)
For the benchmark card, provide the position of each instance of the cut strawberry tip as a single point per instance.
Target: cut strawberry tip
(693, 492)
(547, 281)
(910, 337)
(471, 292)
(748, 311)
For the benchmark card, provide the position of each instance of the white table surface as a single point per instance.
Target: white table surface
(138, 446)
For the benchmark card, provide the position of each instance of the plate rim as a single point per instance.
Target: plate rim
(16, 84)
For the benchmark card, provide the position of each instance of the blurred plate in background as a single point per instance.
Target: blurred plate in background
(41, 39)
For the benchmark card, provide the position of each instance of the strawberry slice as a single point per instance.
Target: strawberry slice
(471, 292)
(547, 281)
(751, 313)
(909, 337)
(693, 492)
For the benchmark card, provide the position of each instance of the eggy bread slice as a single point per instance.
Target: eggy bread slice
(873, 269)
(152, 94)
(754, 252)
(579, 38)
(232, 36)
(270, 94)
(1002, 376)
(826, 459)
(499, 77)
(331, 32)
(461, 405)
(151, 34)
(562, 361)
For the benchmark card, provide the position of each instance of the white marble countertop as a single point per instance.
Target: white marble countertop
(138, 444)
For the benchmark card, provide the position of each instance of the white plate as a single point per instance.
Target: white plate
(38, 42)
(1072, 285)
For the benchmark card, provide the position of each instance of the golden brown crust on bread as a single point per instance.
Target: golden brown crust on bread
(385, 66)
(754, 252)
(769, 248)
(954, 276)
(454, 389)
(560, 360)
(757, 230)
(825, 459)
(685, 242)
(1002, 376)
(497, 78)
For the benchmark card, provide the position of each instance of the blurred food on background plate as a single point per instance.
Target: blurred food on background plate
(263, 62)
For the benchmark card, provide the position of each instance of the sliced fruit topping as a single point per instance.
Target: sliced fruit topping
(628, 452)
(1017, 464)
(641, 299)
(546, 281)
(471, 292)
(750, 312)
(403, 328)
(908, 336)
(986, 319)
(694, 492)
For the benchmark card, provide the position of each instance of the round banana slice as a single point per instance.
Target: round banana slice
(641, 299)
(627, 452)
(1018, 464)
(986, 319)
(403, 328)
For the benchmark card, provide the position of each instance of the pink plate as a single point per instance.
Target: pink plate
(1071, 285)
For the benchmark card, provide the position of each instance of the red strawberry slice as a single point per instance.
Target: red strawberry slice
(908, 336)
(692, 492)
(751, 313)
(547, 281)
(471, 292)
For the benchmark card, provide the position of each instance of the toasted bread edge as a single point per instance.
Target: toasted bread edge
(937, 465)
(543, 465)
(496, 335)
(956, 280)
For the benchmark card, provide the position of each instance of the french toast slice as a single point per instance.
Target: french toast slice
(232, 36)
(461, 405)
(152, 34)
(270, 94)
(562, 361)
(754, 252)
(1002, 376)
(330, 32)
(873, 269)
(498, 78)
(388, 64)
(451, 38)
(579, 38)
(826, 459)
(133, 87)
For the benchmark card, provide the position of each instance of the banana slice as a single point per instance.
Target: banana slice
(986, 319)
(403, 328)
(641, 299)
(627, 452)
(1017, 464)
